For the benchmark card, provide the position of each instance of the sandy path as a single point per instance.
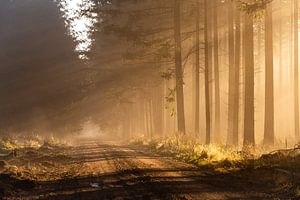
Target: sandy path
(122, 172)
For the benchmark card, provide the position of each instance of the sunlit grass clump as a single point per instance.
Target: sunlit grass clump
(191, 151)
(222, 158)
(11, 143)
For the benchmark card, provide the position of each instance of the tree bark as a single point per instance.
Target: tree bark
(216, 70)
(197, 72)
(178, 66)
(296, 70)
(236, 104)
(280, 51)
(231, 83)
(249, 137)
(206, 74)
(269, 79)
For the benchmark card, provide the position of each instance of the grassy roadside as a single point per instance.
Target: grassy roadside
(276, 172)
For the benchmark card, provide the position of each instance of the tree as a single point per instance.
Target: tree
(236, 105)
(178, 66)
(206, 75)
(216, 69)
(249, 136)
(296, 70)
(269, 78)
(197, 71)
(231, 83)
(251, 9)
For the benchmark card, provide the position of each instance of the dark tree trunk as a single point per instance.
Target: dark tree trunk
(269, 79)
(249, 137)
(236, 104)
(197, 72)
(280, 52)
(296, 72)
(178, 66)
(231, 83)
(216, 71)
(207, 92)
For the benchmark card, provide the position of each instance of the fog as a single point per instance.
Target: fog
(149, 99)
(65, 64)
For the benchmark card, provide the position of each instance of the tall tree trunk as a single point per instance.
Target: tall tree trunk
(178, 66)
(151, 121)
(206, 74)
(197, 72)
(216, 70)
(249, 136)
(236, 104)
(269, 79)
(280, 51)
(296, 72)
(147, 119)
(157, 109)
(231, 84)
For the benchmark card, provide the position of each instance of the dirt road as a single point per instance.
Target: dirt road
(126, 172)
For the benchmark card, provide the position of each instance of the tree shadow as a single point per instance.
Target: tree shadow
(151, 184)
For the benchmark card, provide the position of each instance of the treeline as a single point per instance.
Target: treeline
(210, 56)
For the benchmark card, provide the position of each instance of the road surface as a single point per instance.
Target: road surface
(127, 172)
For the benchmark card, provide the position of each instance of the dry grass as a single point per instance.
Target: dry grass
(277, 170)
(221, 158)
(35, 158)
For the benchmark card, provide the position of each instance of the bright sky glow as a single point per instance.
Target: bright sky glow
(80, 26)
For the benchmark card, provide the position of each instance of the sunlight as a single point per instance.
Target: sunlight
(80, 26)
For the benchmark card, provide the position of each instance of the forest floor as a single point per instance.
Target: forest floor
(106, 170)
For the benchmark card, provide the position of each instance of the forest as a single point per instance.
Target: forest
(228, 68)
(149, 99)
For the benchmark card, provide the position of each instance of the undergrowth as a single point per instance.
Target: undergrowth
(221, 158)
(278, 170)
(33, 141)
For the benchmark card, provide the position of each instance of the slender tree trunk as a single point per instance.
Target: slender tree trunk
(147, 120)
(168, 118)
(296, 72)
(236, 104)
(291, 63)
(157, 109)
(209, 8)
(216, 70)
(207, 92)
(249, 136)
(269, 79)
(280, 51)
(231, 83)
(151, 121)
(141, 117)
(178, 66)
(197, 72)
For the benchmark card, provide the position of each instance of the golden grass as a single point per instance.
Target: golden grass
(218, 157)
